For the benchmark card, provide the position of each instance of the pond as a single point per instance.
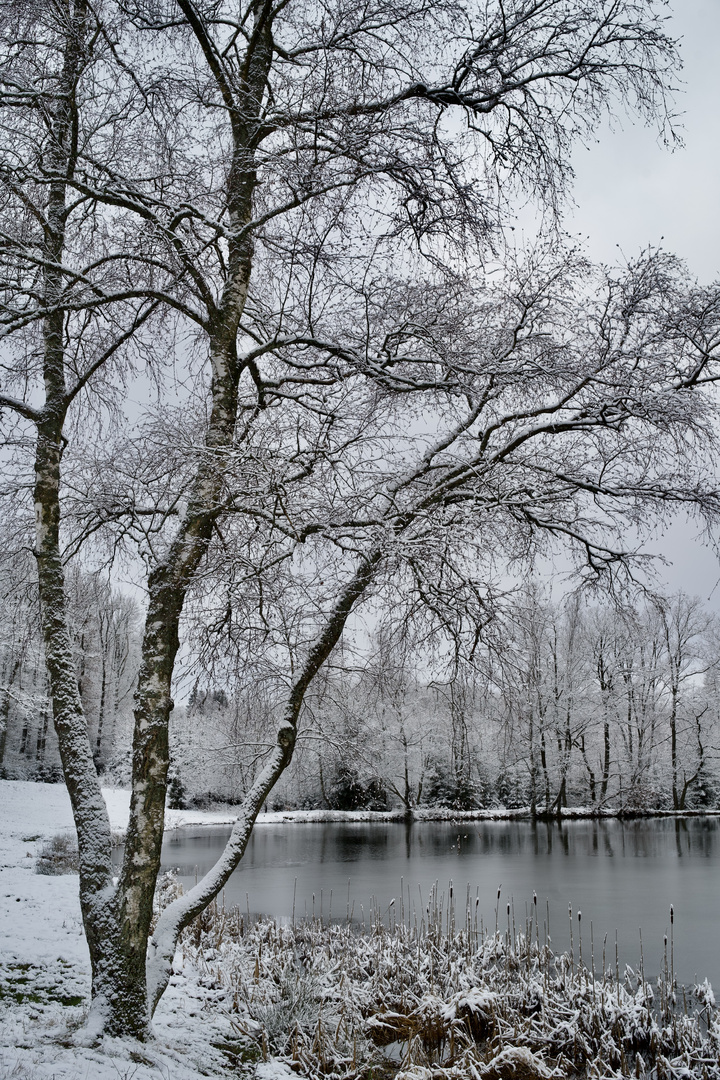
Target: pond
(622, 875)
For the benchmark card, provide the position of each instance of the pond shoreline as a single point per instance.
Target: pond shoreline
(186, 819)
(620, 873)
(117, 801)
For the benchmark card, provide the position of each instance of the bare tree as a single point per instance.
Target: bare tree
(372, 422)
(684, 624)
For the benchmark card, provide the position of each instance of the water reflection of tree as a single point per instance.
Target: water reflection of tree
(681, 834)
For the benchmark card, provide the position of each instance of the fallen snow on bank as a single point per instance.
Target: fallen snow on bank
(118, 803)
(45, 810)
(45, 966)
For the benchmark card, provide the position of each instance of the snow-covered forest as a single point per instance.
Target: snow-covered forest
(105, 635)
(576, 703)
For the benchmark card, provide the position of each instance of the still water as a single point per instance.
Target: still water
(622, 876)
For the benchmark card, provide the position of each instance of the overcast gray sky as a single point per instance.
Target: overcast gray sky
(631, 191)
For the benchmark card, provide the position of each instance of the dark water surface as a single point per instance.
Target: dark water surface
(621, 875)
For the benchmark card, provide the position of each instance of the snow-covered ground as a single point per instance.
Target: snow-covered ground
(459, 1004)
(45, 967)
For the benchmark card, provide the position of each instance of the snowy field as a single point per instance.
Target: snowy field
(45, 967)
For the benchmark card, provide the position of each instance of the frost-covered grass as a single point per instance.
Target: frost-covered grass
(436, 997)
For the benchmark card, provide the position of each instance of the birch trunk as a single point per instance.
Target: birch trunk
(134, 1002)
(88, 806)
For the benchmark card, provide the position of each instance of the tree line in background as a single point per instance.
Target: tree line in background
(582, 706)
(105, 633)
(586, 704)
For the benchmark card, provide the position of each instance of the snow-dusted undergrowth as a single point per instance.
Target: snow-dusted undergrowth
(436, 996)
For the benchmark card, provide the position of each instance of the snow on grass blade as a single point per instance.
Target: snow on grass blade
(434, 997)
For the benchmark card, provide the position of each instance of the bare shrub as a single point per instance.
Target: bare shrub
(59, 855)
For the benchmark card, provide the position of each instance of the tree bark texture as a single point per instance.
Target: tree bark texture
(169, 581)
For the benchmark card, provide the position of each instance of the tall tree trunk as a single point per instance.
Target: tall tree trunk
(606, 758)
(590, 771)
(42, 736)
(89, 810)
(533, 766)
(130, 1011)
(169, 581)
(407, 795)
(546, 774)
(88, 806)
(674, 752)
(104, 649)
(5, 707)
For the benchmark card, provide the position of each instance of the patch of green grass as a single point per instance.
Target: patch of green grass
(239, 1052)
(70, 999)
(11, 992)
(23, 984)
